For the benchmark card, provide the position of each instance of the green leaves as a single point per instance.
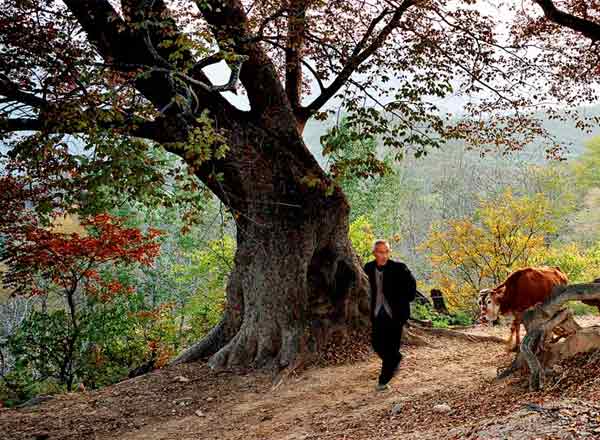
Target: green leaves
(204, 143)
(362, 237)
(351, 154)
(210, 265)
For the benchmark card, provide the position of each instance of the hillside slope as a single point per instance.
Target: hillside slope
(336, 402)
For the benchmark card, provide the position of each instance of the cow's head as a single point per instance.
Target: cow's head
(489, 309)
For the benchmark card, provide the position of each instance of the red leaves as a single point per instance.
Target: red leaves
(67, 258)
(106, 291)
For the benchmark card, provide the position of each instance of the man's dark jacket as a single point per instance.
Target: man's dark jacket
(399, 288)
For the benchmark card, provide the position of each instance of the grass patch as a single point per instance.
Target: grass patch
(580, 309)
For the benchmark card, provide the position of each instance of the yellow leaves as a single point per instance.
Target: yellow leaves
(205, 142)
(529, 214)
(472, 253)
(580, 265)
(362, 236)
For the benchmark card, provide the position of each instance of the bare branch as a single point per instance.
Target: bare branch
(361, 53)
(231, 29)
(293, 52)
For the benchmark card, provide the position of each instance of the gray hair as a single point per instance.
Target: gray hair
(382, 241)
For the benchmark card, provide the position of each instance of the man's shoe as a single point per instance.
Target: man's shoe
(382, 387)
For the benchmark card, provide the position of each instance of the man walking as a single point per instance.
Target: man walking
(393, 287)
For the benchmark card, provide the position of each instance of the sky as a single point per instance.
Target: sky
(219, 73)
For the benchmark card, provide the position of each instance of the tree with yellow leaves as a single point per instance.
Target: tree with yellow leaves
(473, 253)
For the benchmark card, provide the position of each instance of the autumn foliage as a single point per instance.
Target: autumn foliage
(66, 259)
(85, 327)
(469, 254)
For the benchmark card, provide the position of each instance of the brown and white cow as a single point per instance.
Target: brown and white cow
(522, 289)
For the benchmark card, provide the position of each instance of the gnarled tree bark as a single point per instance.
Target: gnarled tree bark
(296, 277)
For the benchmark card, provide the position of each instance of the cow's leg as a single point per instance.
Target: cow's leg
(517, 323)
(509, 343)
(516, 329)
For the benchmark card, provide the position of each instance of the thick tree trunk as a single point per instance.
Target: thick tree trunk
(296, 276)
(291, 289)
(296, 280)
(296, 287)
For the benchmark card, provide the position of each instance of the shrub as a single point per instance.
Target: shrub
(426, 313)
(473, 253)
(92, 327)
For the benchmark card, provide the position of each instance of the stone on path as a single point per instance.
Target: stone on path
(396, 409)
(442, 408)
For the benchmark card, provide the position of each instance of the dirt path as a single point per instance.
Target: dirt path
(191, 402)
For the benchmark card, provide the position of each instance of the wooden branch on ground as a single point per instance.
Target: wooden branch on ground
(421, 322)
(453, 334)
(539, 350)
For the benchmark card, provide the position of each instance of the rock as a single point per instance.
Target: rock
(396, 409)
(183, 401)
(442, 408)
(199, 413)
(181, 379)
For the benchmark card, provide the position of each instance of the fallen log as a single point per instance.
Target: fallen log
(420, 331)
(552, 333)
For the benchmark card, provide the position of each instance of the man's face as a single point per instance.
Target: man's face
(382, 254)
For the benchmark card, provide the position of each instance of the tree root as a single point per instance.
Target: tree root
(212, 343)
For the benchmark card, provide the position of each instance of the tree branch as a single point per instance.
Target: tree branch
(11, 91)
(360, 54)
(138, 127)
(585, 27)
(231, 29)
(125, 46)
(293, 52)
(305, 63)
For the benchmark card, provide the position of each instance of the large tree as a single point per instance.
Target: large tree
(113, 73)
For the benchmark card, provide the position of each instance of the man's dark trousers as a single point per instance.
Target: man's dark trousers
(385, 337)
(399, 289)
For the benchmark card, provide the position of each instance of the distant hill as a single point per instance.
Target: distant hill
(565, 132)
